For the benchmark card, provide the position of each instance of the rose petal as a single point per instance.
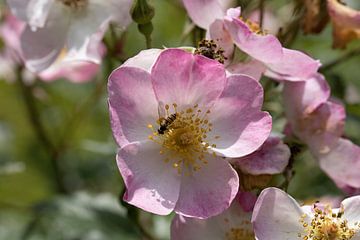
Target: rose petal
(202, 199)
(204, 12)
(265, 48)
(252, 68)
(293, 66)
(42, 47)
(322, 128)
(186, 79)
(145, 59)
(272, 158)
(342, 163)
(183, 228)
(276, 215)
(237, 119)
(304, 97)
(352, 209)
(151, 184)
(132, 104)
(218, 227)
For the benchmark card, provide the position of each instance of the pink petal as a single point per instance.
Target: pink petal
(304, 97)
(204, 12)
(132, 104)
(202, 198)
(265, 48)
(151, 184)
(183, 228)
(352, 209)
(145, 59)
(252, 68)
(276, 215)
(293, 66)
(237, 118)
(322, 128)
(38, 12)
(186, 79)
(42, 47)
(271, 158)
(76, 71)
(342, 163)
(19, 8)
(215, 228)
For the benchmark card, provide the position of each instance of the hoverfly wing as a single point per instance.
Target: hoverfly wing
(161, 110)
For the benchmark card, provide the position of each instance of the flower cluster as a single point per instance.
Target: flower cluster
(193, 133)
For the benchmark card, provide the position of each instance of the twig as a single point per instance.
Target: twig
(262, 10)
(340, 60)
(34, 118)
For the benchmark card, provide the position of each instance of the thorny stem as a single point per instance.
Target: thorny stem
(33, 114)
(346, 56)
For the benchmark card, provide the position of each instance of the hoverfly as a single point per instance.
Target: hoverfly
(164, 122)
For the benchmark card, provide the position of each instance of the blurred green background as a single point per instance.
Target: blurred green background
(75, 120)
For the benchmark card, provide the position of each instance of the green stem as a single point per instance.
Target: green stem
(345, 57)
(34, 118)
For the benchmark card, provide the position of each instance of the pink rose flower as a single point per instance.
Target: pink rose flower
(71, 26)
(233, 223)
(175, 115)
(277, 215)
(319, 122)
(64, 66)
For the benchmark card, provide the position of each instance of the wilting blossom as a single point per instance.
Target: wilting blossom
(315, 17)
(66, 27)
(345, 22)
(319, 122)
(232, 224)
(64, 67)
(277, 215)
(175, 115)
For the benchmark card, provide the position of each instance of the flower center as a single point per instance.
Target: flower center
(75, 4)
(209, 49)
(327, 225)
(183, 137)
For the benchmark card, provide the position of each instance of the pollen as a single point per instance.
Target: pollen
(327, 224)
(184, 137)
(209, 49)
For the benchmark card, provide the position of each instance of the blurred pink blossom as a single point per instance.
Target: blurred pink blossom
(62, 26)
(175, 115)
(64, 67)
